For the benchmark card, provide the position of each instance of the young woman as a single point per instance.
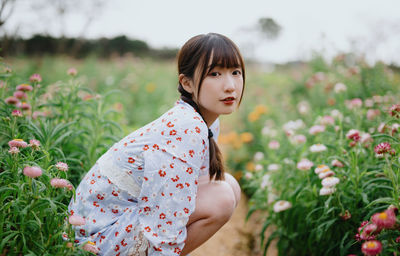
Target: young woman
(162, 189)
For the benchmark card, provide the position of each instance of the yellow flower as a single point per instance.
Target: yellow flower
(253, 116)
(150, 87)
(246, 137)
(250, 166)
(261, 109)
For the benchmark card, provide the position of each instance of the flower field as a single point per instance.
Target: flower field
(315, 147)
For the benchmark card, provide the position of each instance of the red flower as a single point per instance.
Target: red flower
(180, 186)
(128, 228)
(155, 146)
(115, 211)
(172, 132)
(186, 210)
(169, 124)
(100, 197)
(162, 173)
(394, 110)
(191, 153)
(145, 199)
(116, 248)
(381, 148)
(131, 160)
(371, 248)
(148, 229)
(197, 129)
(146, 147)
(189, 170)
(162, 216)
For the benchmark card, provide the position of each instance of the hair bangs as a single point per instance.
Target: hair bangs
(225, 55)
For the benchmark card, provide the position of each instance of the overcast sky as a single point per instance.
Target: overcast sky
(369, 26)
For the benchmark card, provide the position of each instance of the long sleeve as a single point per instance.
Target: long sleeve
(168, 193)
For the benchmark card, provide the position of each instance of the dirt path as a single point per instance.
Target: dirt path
(236, 238)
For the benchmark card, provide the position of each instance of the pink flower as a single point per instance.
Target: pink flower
(62, 166)
(326, 173)
(37, 114)
(19, 143)
(372, 113)
(11, 100)
(298, 139)
(274, 144)
(76, 220)
(346, 215)
(316, 148)
(20, 95)
(354, 103)
(16, 113)
(316, 129)
(35, 78)
(321, 168)
(337, 163)
(24, 106)
(305, 164)
(339, 87)
(368, 231)
(394, 110)
(366, 139)
(327, 120)
(72, 72)
(32, 171)
(91, 247)
(382, 148)
(382, 127)
(325, 191)
(34, 144)
(282, 205)
(386, 219)
(60, 183)
(353, 134)
(24, 87)
(13, 151)
(371, 248)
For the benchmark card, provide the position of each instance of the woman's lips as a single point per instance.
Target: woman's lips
(229, 100)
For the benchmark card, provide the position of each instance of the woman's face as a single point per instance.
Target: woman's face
(220, 92)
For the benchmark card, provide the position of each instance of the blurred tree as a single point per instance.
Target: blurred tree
(269, 28)
(6, 9)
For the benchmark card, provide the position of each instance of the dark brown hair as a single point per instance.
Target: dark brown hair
(197, 57)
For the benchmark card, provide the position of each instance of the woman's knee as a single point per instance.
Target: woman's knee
(234, 185)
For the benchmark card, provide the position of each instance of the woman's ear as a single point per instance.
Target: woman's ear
(186, 83)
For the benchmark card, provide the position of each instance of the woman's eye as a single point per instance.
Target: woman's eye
(214, 74)
(237, 72)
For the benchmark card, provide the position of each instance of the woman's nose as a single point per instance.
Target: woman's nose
(229, 83)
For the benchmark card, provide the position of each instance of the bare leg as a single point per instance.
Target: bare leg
(215, 203)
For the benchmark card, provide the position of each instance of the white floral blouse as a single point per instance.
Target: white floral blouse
(140, 193)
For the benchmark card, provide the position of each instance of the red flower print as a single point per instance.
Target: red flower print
(148, 229)
(132, 141)
(168, 142)
(146, 147)
(171, 244)
(180, 186)
(162, 193)
(147, 209)
(186, 131)
(177, 250)
(94, 221)
(196, 117)
(92, 181)
(102, 210)
(155, 235)
(179, 138)
(197, 129)
(100, 197)
(157, 249)
(116, 234)
(171, 165)
(170, 125)
(186, 210)
(123, 243)
(162, 173)
(109, 181)
(170, 113)
(125, 144)
(176, 179)
(116, 248)
(140, 168)
(191, 153)
(145, 199)
(115, 211)
(187, 184)
(189, 170)
(145, 178)
(162, 216)
(189, 198)
(169, 222)
(141, 134)
(82, 232)
(172, 133)
(155, 146)
(131, 160)
(118, 254)
(128, 228)
(95, 203)
(114, 193)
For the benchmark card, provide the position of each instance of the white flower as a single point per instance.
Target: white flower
(265, 181)
(326, 120)
(336, 114)
(316, 148)
(340, 87)
(326, 191)
(303, 107)
(258, 167)
(337, 163)
(316, 129)
(320, 168)
(326, 173)
(282, 205)
(305, 164)
(267, 131)
(13, 150)
(258, 156)
(248, 175)
(293, 125)
(62, 166)
(273, 167)
(330, 182)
